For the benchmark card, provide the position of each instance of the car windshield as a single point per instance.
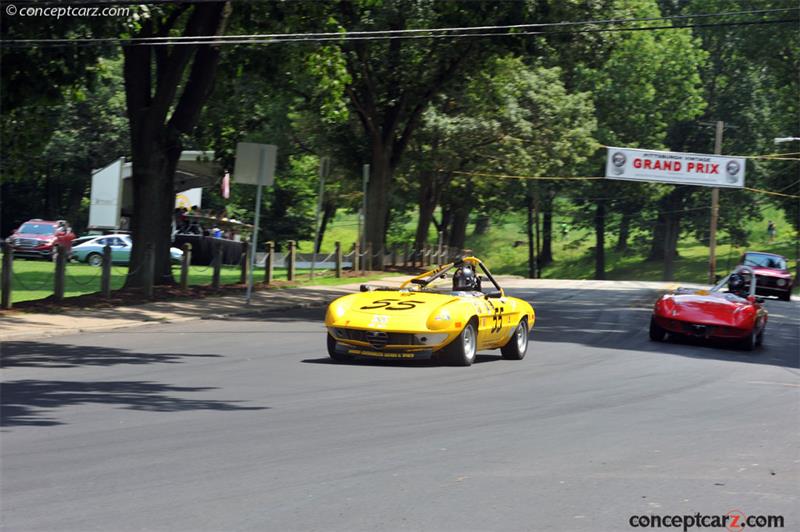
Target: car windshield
(763, 260)
(37, 229)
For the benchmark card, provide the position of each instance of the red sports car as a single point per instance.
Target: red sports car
(773, 277)
(729, 311)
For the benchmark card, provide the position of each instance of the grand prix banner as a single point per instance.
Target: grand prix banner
(675, 168)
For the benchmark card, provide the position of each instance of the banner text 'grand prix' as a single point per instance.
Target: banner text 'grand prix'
(675, 168)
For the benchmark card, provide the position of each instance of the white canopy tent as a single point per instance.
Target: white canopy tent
(112, 189)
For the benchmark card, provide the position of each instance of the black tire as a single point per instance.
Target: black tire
(786, 296)
(751, 342)
(657, 333)
(517, 345)
(336, 357)
(94, 259)
(760, 338)
(462, 350)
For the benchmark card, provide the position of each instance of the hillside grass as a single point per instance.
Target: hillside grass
(504, 248)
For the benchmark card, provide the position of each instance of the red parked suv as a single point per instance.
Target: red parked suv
(39, 238)
(773, 277)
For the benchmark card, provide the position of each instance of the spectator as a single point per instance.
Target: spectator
(771, 232)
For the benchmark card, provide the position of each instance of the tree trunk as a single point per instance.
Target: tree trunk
(447, 215)
(153, 175)
(669, 208)
(624, 231)
(481, 224)
(427, 205)
(672, 230)
(547, 232)
(600, 241)
(378, 195)
(532, 270)
(328, 212)
(458, 234)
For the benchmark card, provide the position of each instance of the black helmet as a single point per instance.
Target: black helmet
(737, 284)
(465, 279)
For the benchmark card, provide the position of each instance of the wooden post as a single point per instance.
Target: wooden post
(149, 266)
(426, 255)
(292, 257)
(338, 259)
(269, 262)
(405, 255)
(368, 262)
(105, 279)
(244, 263)
(61, 270)
(356, 251)
(8, 265)
(186, 260)
(216, 262)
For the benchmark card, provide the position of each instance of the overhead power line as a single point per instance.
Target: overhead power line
(512, 30)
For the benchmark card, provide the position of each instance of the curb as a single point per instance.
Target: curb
(178, 319)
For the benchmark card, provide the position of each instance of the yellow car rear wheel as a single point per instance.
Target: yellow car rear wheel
(517, 346)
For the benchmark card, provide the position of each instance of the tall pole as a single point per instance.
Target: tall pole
(364, 181)
(262, 168)
(712, 239)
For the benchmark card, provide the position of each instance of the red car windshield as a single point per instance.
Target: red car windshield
(761, 260)
(37, 229)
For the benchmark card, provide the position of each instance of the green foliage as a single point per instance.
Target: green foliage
(327, 64)
(291, 202)
(49, 152)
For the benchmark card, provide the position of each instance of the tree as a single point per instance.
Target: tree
(647, 82)
(166, 88)
(394, 81)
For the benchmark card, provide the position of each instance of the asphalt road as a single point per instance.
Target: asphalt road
(245, 425)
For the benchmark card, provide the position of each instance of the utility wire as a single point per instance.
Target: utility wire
(421, 33)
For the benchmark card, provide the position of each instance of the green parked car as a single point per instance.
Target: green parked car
(90, 250)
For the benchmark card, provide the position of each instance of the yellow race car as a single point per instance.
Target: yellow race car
(444, 313)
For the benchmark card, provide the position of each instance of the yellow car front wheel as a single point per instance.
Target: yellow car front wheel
(336, 356)
(462, 350)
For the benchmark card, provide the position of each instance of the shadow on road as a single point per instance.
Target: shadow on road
(479, 359)
(44, 355)
(28, 402)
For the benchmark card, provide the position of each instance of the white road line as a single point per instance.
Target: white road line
(775, 383)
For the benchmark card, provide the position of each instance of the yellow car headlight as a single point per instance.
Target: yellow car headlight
(442, 316)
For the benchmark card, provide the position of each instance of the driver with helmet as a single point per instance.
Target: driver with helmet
(465, 279)
(739, 285)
